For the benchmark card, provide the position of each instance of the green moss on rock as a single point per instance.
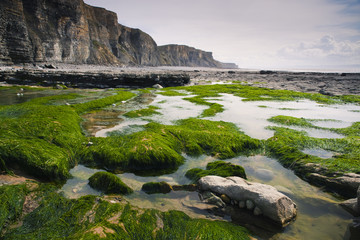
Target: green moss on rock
(92, 217)
(160, 147)
(108, 183)
(151, 110)
(156, 187)
(218, 168)
(12, 199)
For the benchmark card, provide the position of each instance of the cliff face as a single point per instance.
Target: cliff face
(70, 31)
(180, 55)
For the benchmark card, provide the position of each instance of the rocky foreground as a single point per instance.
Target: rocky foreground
(103, 76)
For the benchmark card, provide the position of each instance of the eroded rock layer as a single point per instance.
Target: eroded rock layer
(70, 31)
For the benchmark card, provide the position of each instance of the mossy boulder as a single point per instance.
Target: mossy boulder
(108, 183)
(156, 187)
(218, 168)
(160, 147)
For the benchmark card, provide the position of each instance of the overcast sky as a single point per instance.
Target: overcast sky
(271, 34)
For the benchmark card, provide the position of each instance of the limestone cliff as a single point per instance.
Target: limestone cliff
(70, 31)
(181, 55)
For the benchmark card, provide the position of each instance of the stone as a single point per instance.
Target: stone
(158, 86)
(225, 199)
(351, 205)
(156, 187)
(347, 185)
(274, 205)
(249, 204)
(211, 198)
(242, 204)
(358, 199)
(257, 211)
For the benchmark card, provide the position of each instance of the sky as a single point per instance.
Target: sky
(257, 34)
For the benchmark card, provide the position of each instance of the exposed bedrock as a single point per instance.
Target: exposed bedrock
(260, 198)
(94, 80)
(353, 205)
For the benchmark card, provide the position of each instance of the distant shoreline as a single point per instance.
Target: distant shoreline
(326, 83)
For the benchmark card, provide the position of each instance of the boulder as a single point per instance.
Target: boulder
(272, 204)
(156, 187)
(358, 199)
(352, 205)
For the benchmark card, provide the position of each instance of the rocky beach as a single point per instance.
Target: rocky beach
(89, 76)
(104, 134)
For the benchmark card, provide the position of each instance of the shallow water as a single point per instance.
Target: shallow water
(252, 116)
(319, 216)
(10, 96)
(319, 152)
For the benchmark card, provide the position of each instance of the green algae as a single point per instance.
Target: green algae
(103, 102)
(251, 93)
(43, 138)
(156, 187)
(218, 168)
(213, 109)
(286, 146)
(92, 217)
(12, 199)
(286, 120)
(171, 93)
(108, 183)
(160, 147)
(151, 110)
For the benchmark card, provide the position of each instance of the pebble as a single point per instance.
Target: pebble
(249, 204)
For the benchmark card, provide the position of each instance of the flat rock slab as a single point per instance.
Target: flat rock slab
(91, 79)
(273, 204)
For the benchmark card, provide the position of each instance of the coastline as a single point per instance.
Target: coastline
(329, 83)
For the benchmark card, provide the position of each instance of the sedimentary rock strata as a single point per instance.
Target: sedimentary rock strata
(70, 31)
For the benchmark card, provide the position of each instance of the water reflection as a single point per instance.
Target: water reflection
(253, 120)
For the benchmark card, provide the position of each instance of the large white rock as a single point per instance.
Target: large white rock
(270, 201)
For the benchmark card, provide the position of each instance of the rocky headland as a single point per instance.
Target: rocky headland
(72, 32)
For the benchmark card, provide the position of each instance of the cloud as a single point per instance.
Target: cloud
(327, 48)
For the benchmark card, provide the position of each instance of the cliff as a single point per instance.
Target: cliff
(70, 31)
(181, 55)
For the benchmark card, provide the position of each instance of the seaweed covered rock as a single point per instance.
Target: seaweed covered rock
(160, 147)
(272, 204)
(108, 183)
(156, 187)
(217, 168)
(93, 217)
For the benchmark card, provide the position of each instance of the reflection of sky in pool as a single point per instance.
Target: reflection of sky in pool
(318, 152)
(252, 119)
